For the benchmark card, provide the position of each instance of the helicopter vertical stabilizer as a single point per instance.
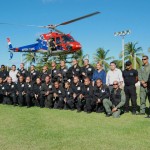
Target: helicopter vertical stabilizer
(9, 43)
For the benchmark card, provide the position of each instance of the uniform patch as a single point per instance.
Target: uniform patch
(89, 69)
(78, 88)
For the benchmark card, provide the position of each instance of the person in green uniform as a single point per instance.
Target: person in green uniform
(148, 90)
(143, 74)
(51, 46)
(117, 101)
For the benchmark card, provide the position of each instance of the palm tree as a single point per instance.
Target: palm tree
(79, 56)
(133, 54)
(29, 58)
(102, 57)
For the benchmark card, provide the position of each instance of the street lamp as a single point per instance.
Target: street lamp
(122, 34)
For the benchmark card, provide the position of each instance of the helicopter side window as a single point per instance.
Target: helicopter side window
(66, 39)
(58, 40)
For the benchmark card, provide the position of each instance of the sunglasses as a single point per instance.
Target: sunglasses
(144, 59)
(115, 84)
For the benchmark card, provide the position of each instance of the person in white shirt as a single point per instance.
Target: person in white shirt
(114, 74)
(13, 74)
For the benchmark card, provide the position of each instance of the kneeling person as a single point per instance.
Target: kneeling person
(69, 102)
(116, 102)
(58, 95)
(28, 92)
(10, 92)
(86, 96)
(101, 93)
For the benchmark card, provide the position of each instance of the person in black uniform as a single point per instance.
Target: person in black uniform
(10, 92)
(28, 92)
(4, 73)
(86, 97)
(46, 93)
(33, 74)
(68, 99)
(62, 72)
(20, 91)
(44, 73)
(2, 88)
(58, 95)
(130, 79)
(87, 70)
(37, 92)
(76, 88)
(101, 92)
(22, 71)
(53, 72)
(74, 70)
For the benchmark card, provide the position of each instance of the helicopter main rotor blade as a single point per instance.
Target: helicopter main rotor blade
(5, 23)
(73, 20)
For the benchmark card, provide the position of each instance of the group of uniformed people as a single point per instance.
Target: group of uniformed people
(82, 88)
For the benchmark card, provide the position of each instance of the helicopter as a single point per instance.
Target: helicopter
(65, 43)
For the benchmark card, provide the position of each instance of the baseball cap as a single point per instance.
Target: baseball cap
(128, 63)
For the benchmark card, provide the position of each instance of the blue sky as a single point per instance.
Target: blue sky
(92, 33)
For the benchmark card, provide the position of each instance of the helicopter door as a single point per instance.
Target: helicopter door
(58, 43)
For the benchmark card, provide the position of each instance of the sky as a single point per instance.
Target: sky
(92, 33)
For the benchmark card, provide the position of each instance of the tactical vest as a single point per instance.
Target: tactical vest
(115, 97)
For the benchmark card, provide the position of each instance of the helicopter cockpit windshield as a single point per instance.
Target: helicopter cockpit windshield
(66, 39)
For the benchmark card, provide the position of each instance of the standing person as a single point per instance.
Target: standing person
(68, 99)
(4, 73)
(114, 74)
(87, 70)
(86, 97)
(63, 71)
(46, 93)
(101, 92)
(116, 102)
(74, 70)
(22, 71)
(53, 72)
(44, 73)
(10, 92)
(28, 92)
(148, 91)
(130, 76)
(33, 74)
(13, 74)
(20, 91)
(143, 74)
(99, 73)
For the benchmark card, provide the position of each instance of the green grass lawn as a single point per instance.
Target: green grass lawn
(45, 129)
